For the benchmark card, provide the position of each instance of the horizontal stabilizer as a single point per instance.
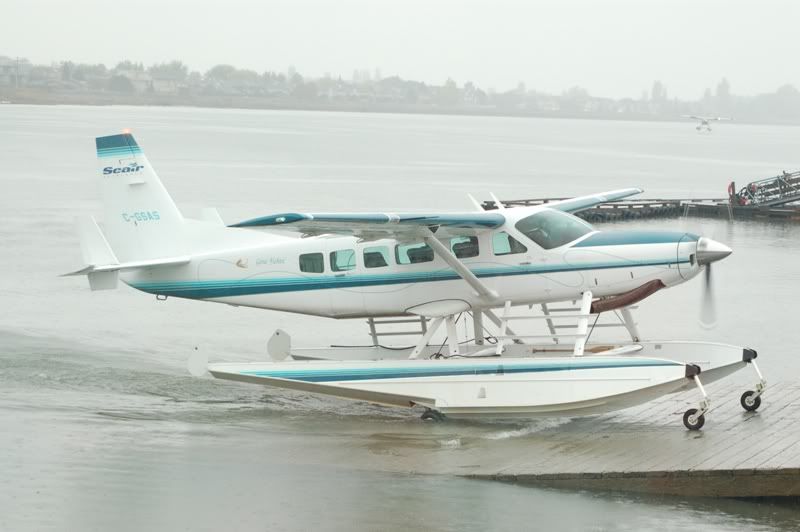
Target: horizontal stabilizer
(102, 266)
(169, 261)
(103, 280)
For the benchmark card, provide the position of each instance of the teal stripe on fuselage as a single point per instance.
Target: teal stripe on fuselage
(254, 286)
(433, 370)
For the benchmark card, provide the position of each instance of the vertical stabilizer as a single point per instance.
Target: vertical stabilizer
(141, 221)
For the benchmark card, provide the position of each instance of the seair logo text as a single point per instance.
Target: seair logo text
(133, 167)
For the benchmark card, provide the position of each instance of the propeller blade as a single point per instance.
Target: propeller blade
(708, 311)
(708, 252)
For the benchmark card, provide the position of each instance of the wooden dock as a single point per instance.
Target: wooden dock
(773, 198)
(647, 450)
(669, 208)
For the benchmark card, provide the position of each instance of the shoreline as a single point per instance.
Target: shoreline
(102, 99)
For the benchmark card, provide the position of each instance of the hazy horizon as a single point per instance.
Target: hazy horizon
(614, 49)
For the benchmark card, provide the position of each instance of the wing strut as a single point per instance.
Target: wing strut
(440, 249)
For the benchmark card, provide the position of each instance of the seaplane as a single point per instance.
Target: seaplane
(705, 121)
(476, 278)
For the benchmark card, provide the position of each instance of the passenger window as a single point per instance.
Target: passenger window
(376, 257)
(464, 247)
(505, 244)
(312, 263)
(343, 260)
(413, 253)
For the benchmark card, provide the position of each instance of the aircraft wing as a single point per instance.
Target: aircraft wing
(581, 203)
(374, 226)
(412, 226)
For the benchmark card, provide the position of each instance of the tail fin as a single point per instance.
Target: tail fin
(143, 228)
(141, 221)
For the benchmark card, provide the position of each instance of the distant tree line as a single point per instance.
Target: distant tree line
(374, 92)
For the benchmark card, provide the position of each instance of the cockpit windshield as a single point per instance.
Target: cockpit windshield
(551, 229)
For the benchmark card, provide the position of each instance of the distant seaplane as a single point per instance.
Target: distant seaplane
(432, 269)
(705, 121)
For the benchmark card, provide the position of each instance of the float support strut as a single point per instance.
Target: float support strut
(426, 338)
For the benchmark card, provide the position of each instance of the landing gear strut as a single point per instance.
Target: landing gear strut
(694, 418)
(751, 400)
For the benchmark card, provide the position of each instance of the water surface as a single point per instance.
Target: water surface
(103, 427)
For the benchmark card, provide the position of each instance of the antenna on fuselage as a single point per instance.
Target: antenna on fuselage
(475, 202)
(497, 202)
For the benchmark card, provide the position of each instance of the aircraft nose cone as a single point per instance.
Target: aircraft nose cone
(709, 251)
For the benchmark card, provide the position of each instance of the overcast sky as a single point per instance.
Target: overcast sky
(613, 48)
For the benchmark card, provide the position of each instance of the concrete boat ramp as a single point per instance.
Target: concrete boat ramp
(647, 450)
(644, 450)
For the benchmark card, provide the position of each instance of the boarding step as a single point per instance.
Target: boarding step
(578, 319)
(380, 327)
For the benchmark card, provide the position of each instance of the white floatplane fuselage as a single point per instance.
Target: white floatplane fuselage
(268, 275)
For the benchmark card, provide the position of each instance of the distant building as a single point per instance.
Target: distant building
(14, 72)
(45, 77)
(166, 85)
(141, 81)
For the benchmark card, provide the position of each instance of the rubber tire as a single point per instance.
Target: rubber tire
(699, 422)
(432, 415)
(756, 402)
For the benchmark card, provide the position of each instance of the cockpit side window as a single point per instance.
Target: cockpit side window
(505, 244)
(551, 229)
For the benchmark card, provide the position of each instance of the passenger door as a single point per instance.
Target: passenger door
(346, 298)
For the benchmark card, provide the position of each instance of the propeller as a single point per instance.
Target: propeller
(708, 252)
(708, 308)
